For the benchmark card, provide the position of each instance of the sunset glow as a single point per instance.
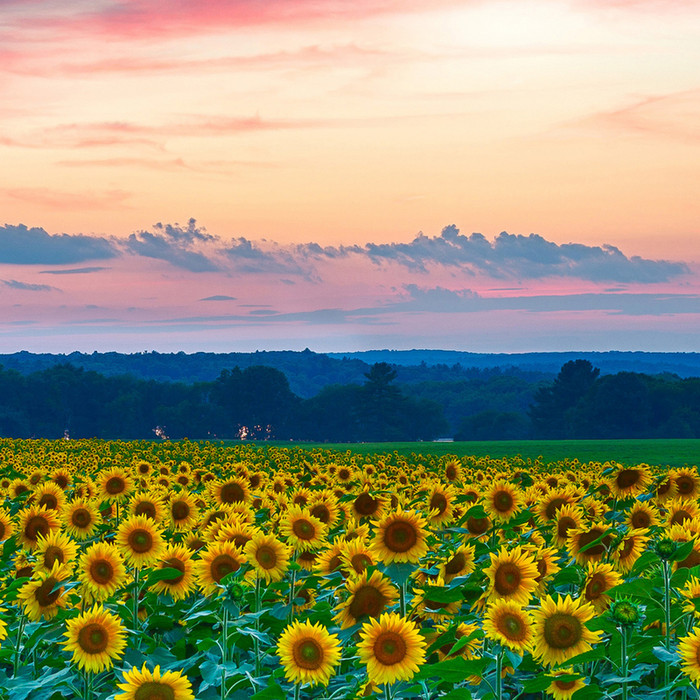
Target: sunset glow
(237, 175)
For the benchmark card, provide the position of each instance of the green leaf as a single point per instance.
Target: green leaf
(273, 691)
(453, 670)
(167, 573)
(683, 551)
(439, 594)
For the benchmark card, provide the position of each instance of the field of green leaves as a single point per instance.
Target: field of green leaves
(182, 570)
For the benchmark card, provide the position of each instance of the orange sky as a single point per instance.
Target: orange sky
(341, 123)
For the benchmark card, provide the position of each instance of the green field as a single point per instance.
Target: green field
(671, 452)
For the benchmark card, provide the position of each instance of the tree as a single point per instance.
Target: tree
(551, 412)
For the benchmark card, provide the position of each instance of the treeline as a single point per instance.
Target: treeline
(256, 402)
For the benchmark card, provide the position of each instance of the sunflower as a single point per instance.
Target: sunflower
(599, 578)
(303, 531)
(324, 506)
(114, 484)
(567, 517)
(96, 638)
(630, 482)
(560, 629)
(49, 495)
(453, 470)
(687, 483)
(366, 506)
(565, 685)
(34, 522)
(512, 575)
(7, 528)
(392, 648)
(461, 563)
(428, 604)
(152, 685)
(477, 527)
(507, 623)
(176, 556)
(440, 504)
(642, 515)
(330, 560)
(216, 561)
(268, 556)
(139, 540)
(689, 649)
(308, 653)
(368, 596)
(502, 500)
(580, 542)
(81, 518)
(356, 555)
(148, 504)
(400, 537)
(630, 549)
(44, 595)
(62, 477)
(679, 510)
(232, 490)
(55, 547)
(690, 592)
(665, 489)
(101, 571)
(19, 487)
(552, 501)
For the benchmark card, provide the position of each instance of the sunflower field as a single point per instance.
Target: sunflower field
(182, 570)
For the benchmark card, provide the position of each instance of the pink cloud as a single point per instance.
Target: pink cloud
(49, 198)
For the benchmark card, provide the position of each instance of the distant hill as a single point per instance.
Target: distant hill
(684, 364)
(308, 372)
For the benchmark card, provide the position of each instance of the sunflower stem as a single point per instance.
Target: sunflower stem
(499, 669)
(18, 645)
(224, 646)
(291, 595)
(667, 623)
(135, 605)
(256, 642)
(402, 599)
(297, 691)
(624, 671)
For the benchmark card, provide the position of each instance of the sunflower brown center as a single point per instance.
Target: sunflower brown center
(512, 627)
(367, 600)
(308, 654)
(502, 501)
(140, 541)
(81, 518)
(232, 492)
(450, 472)
(35, 526)
(507, 578)
(366, 504)
(175, 563)
(266, 557)
(93, 638)
(48, 500)
(456, 564)
(303, 529)
(60, 480)
(221, 565)
(101, 571)
(478, 526)
(585, 538)
(115, 485)
(627, 478)
(564, 524)
(685, 485)
(146, 508)
(640, 519)
(564, 685)
(321, 512)
(180, 510)
(438, 502)
(595, 587)
(562, 630)
(400, 536)
(553, 506)
(2, 531)
(389, 648)
(52, 555)
(45, 595)
(360, 562)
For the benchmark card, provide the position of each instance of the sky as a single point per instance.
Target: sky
(343, 175)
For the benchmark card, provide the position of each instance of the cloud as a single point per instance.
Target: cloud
(61, 200)
(74, 271)
(20, 245)
(219, 297)
(25, 286)
(174, 244)
(249, 258)
(516, 256)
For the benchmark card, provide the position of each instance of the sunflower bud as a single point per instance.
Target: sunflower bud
(666, 548)
(625, 612)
